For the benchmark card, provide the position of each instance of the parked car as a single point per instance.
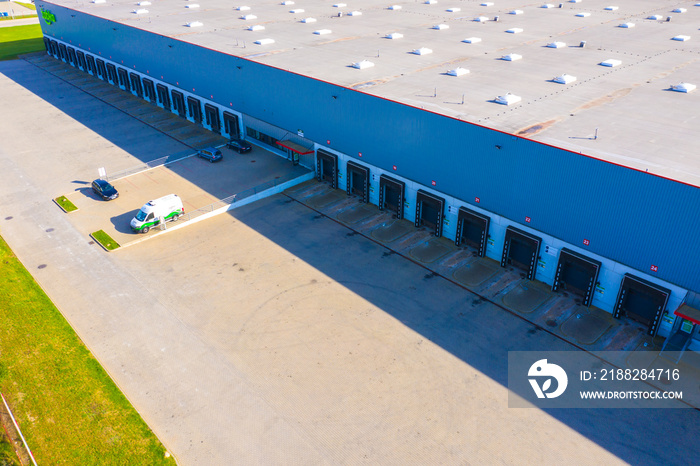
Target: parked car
(240, 145)
(167, 208)
(210, 153)
(105, 190)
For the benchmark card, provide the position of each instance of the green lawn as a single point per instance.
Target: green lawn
(17, 40)
(27, 5)
(68, 408)
(65, 204)
(105, 240)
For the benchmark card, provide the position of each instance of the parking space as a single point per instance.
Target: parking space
(198, 182)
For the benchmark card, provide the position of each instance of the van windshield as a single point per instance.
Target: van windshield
(141, 216)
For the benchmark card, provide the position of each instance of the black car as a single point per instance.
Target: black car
(210, 153)
(105, 190)
(240, 145)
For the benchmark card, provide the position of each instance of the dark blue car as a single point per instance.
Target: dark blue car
(105, 190)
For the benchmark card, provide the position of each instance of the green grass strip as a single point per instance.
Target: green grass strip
(65, 204)
(69, 409)
(105, 240)
(27, 5)
(17, 40)
(8, 457)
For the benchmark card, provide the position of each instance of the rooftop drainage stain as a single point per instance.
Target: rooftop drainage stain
(536, 128)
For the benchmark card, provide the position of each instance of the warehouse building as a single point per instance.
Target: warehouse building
(557, 138)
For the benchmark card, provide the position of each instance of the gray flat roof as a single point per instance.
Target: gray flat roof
(639, 121)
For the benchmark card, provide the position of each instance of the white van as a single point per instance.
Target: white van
(167, 208)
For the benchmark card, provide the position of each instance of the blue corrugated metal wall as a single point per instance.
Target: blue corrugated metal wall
(631, 217)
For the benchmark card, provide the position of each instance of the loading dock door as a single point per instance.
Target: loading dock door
(47, 45)
(149, 90)
(81, 60)
(163, 96)
(522, 250)
(391, 195)
(101, 69)
(327, 167)
(90, 60)
(642, 301)
(195, 109)
(62, 52)
(124, 79)
(577, 274)
(112, 74)
(429, 211)
(179, 103)
(54, 48)
(472, 230)
(358, 181)
(136, 86)
(231, 125)
(71, 56)
(212, 115)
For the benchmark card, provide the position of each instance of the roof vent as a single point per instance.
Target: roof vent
(248, 17)
(440, 27)
(514, 30)
(508, 99)
(355, 13)
(481, 19)
(99, 1)
(340, 5)
(585, 14)
(683, 87)
(611, 8)
(265, 41)
(458, 72)
(547, 5)
(472, 40)
(394, 35)
(564, 79)
(298, 10)
(430, 2)
(454, 10)
(287, 2)
(511, 57)
(655, 17)
(574, 1)
(364, 64)
(422, 51)
(626, 25)
(192, 5)
(243, 8)
(611, 63)
(256, 27)
(140, 11)
(556, 45)
(395, 7)
(195, 24)
(516, 12)
(679, 10)
(308, 20)
(681, 38)
(143, 3)
(322, 32)
(487, 4)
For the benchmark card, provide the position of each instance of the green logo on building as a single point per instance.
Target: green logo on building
(49, 17)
